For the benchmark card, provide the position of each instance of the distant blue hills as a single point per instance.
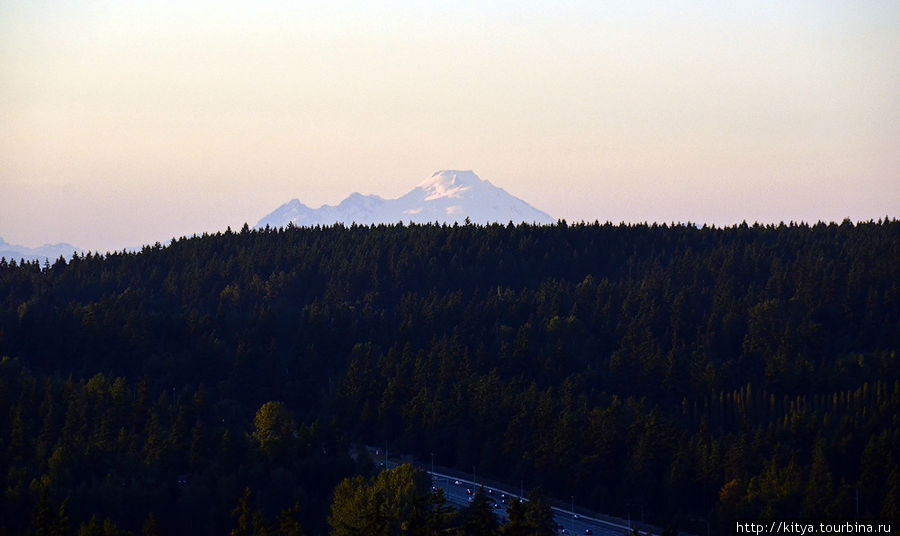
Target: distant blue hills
(47, 252)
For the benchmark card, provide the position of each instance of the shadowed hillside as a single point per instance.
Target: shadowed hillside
(678, 372)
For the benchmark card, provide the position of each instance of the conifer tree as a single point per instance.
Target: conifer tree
(480, 518)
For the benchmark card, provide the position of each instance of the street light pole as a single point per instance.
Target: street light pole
(573, 515)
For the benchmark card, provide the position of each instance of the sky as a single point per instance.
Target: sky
(127, 123)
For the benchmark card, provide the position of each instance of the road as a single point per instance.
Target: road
(458, 492)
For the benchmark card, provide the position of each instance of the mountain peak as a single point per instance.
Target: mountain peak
(452, 176)
(448, 183)
(446, 196)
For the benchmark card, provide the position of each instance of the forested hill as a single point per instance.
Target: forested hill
(687, 373)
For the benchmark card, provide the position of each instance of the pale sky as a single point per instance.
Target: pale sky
(124, 123)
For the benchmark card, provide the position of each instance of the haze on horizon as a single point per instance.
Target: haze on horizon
(126, 123)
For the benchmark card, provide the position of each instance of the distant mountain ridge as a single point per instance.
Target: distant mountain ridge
(47, 252)
(445, 197)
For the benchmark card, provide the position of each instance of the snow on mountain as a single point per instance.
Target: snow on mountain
(444, 197)
(447, 184)
(47, 252)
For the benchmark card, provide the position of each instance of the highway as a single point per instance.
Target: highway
(458, 492)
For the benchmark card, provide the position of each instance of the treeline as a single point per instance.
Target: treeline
(680, 373)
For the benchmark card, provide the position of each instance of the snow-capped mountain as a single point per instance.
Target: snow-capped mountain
(445, 197)
(47, 252)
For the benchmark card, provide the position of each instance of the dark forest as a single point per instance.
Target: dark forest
(686, 374)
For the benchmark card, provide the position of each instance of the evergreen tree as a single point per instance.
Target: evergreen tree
(479, 516)
(48, 521)
(288, 522)
(819, 488)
